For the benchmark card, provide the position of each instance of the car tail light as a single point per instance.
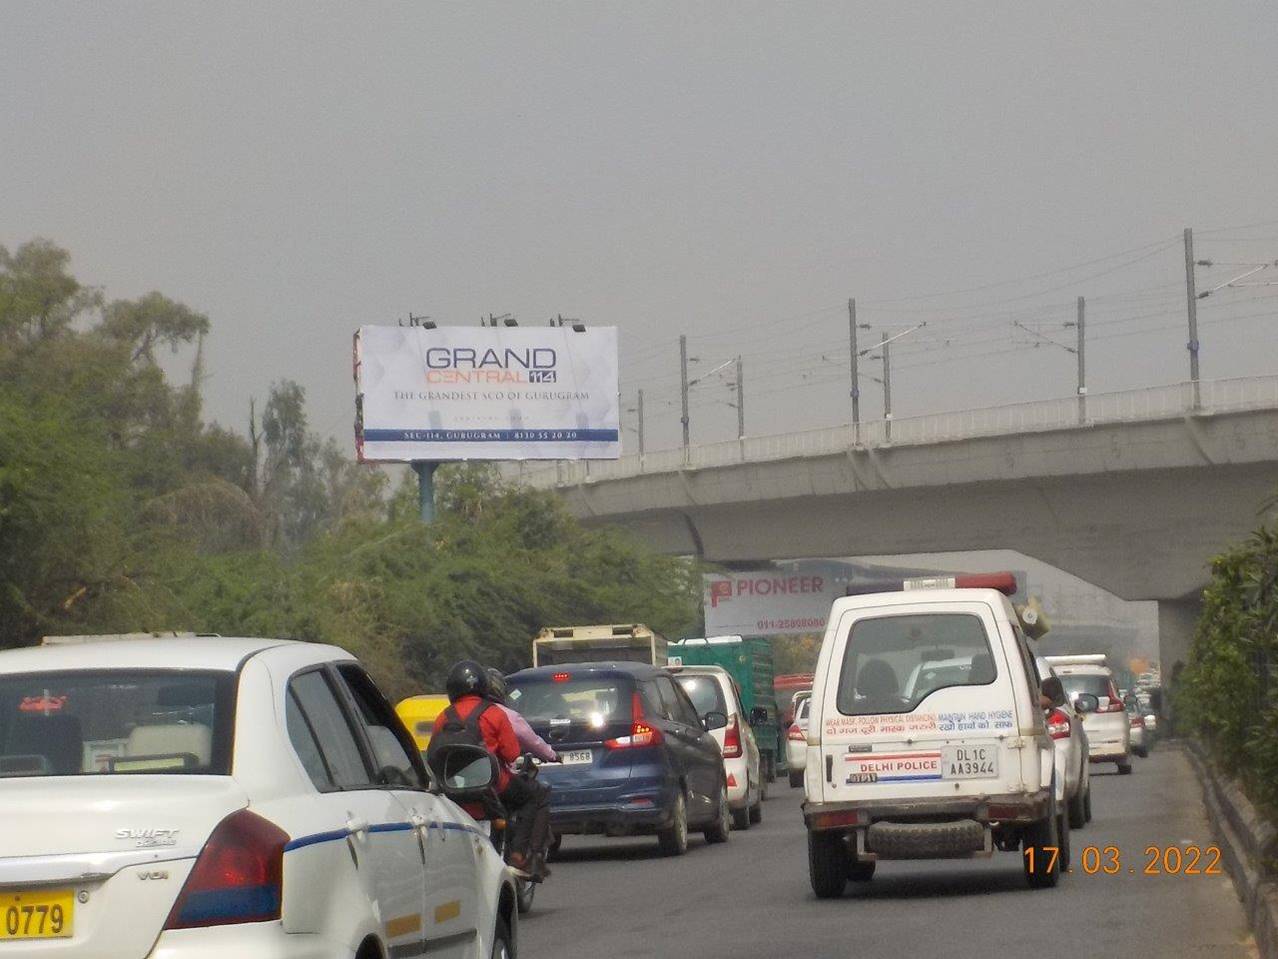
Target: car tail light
(641, 734)
(1115, 704)
(837, 819)
(1058, 724)
(1138, 721)
(561, 677)
(796, 734)
(238, 876)
(732, 740)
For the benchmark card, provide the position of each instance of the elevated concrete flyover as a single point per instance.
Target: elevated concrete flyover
(1133, 491)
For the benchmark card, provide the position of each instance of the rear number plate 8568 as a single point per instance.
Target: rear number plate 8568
(36, 914)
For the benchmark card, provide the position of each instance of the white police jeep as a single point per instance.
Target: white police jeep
(926, 737)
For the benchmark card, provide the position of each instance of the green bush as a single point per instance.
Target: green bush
(1228, 694)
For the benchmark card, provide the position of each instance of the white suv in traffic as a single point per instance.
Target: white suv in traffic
(927, 737)
(193, 798)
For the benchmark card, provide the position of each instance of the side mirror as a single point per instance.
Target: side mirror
(758, 715)
(463, 770)
(1054, 690)
(1086, 703)
(714, 720)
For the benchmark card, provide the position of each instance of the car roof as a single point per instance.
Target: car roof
(704, 668)
(1081, 669)
(602, 670)
(914, 597)
(209, 653)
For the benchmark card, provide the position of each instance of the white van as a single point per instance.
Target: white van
(927, 737)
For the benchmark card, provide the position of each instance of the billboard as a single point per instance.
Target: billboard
(486, 393)
(794, 597)
(771, 602)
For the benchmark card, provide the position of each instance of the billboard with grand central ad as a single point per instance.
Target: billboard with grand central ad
(487, 393)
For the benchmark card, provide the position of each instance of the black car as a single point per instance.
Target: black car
(637, 759)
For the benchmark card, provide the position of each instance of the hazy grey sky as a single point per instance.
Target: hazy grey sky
(731, 170)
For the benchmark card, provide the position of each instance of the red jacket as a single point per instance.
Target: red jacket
(498, 733)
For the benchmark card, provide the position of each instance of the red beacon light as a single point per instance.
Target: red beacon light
(1005, 583)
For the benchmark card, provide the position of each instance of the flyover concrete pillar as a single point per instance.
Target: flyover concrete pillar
(1177, 619)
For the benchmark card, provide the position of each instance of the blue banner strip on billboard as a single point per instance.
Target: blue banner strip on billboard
(491, 436)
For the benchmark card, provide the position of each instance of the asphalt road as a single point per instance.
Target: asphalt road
(751, 898)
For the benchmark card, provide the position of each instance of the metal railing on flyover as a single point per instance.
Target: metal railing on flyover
(1073, 412)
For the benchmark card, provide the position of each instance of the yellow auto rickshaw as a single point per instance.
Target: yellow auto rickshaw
(418, 713)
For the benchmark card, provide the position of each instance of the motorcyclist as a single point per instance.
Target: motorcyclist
(467, 687)
(529, 741)
(537, 809)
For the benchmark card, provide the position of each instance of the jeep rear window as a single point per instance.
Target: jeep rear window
(892, 663)
(116, 722)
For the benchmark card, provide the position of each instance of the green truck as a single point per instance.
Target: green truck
(749, 662)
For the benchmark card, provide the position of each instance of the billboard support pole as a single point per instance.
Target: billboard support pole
(425, 470)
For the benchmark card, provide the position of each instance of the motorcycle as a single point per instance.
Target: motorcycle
(497, 824)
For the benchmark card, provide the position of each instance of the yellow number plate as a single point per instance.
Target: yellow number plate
(36, 914)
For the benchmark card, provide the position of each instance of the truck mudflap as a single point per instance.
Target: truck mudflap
(1019, 808)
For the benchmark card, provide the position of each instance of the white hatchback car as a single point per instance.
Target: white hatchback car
(711, 689)
(1108, 727)
(1073, 767)
(796, 739)
(192, 798)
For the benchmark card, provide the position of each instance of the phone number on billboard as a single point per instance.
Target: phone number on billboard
(803, 622)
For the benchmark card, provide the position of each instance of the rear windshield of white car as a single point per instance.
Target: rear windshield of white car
(1078, 683)
(892, 663)
(590, 701)
(705, 692)
(116, 722)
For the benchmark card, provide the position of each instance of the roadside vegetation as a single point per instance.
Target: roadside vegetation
(1228, 693)
(122, 509)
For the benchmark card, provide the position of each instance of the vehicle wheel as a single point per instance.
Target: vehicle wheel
(765, 777)
(502, 948)
(860, 871)
(1078, 809)
(741, 818)
(796, 778)
(673, 840)
(1143, 753)
(524, 893)
(1087, 802)
(1125, 769)
(1062, 829)
(1037, 847)
(756, 811)
(722, 826)
(827, 864)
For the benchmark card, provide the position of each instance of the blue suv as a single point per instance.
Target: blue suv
(636, 757)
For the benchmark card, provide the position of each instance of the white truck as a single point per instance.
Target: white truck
(624, 643)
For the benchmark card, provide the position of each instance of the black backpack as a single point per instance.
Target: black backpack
(459, 760)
